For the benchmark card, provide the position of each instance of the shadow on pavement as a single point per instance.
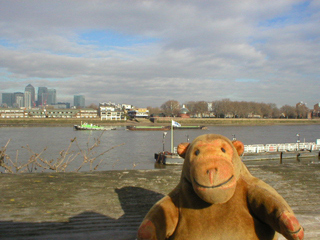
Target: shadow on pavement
(135, 203)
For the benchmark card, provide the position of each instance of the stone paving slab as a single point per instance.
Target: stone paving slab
(111, 205)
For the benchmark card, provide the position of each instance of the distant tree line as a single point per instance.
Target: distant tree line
(226, 108)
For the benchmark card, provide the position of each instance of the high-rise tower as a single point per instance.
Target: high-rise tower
(79, 101)
(30, 88)
(52, 93)
(8, 99)
(27, 100)
(42, 96)
(19, 99)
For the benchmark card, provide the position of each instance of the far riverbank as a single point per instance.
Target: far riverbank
(49, 122)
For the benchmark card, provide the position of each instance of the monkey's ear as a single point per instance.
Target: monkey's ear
(182, 149)
(239, 146)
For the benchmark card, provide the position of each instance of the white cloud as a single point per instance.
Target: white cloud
(153, 51)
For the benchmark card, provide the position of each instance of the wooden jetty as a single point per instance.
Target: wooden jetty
(111, 205)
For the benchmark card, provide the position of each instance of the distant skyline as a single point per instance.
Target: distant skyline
(148, 52)
(79, 100)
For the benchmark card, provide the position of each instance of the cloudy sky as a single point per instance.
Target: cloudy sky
(147, 52)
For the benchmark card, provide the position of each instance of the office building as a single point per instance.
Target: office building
(30, 88)
(19, 99)
(8, 99)
(79, 101)
(27, 100)
(42, 96)
(51, 97)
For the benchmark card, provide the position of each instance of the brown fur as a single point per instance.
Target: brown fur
(217, 198)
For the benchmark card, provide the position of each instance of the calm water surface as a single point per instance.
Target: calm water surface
(139, 146)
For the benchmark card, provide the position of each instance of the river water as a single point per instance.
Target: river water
(137, 147)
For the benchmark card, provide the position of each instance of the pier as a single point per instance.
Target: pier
(111, 204)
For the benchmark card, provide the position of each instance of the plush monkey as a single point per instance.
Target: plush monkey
(218, 198)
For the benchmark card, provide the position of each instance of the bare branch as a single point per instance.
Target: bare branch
(37, 163)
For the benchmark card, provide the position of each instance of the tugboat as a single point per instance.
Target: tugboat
(87, 126)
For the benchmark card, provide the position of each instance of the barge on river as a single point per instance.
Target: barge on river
(257, 152)
(189, 127)
(162, 128)
(148, 128)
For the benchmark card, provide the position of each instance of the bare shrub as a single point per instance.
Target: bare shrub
(37, 163)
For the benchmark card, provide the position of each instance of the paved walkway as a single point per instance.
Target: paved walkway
(111, 205)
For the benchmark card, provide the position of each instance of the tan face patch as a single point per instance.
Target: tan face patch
(212, 170)
(218, 147)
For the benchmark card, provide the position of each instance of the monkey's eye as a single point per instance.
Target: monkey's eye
(223, 150)
(197, 152)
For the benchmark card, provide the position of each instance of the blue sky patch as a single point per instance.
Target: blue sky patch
(5, 43)
(112, 39)
(297, 13)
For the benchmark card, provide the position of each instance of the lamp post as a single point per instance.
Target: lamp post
(164, 135)
(298, 141)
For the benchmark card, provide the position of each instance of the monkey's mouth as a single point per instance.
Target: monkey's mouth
(214, 186)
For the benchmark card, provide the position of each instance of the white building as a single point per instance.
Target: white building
(109, 111)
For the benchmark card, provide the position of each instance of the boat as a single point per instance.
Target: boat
(257, 152)
(172, 157)
(148, 128)
(282, 147)
(281, 150)
(279, 155)
(87, 126)
(190, 127)
(162, 128)
(168, 158)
